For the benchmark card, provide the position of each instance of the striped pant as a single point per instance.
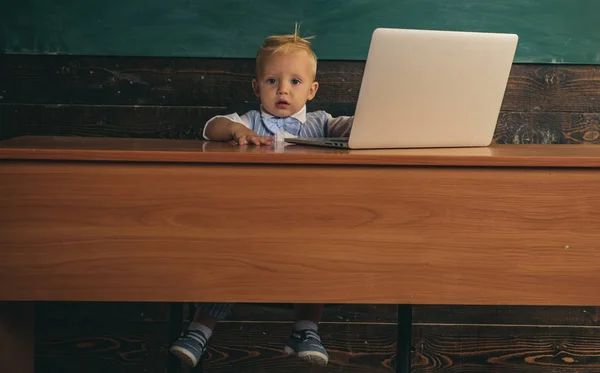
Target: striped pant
(217, 310)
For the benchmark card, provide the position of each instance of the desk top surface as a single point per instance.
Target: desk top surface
(197, 151)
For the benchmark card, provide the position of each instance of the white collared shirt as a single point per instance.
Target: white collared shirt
(314, 124)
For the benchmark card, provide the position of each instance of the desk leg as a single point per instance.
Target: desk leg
(17, 337)
(404, 343)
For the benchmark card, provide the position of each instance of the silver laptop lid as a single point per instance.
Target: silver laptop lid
(425, 88)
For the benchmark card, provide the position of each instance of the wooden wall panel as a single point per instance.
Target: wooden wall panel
(92, 80)
(173, 97)
(184, 122)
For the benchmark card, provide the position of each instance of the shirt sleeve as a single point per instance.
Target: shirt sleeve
(234, 117)
(339, 126)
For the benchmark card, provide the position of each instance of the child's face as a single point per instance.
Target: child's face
(286, 83)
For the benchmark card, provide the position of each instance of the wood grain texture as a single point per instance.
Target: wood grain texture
(505, 349)
(136, 312)
(429, 314)
(208, 152)
(547, 128)
(93, 80)
(342, 313)
(99, 346)
(548, 88)
(256, 347)
(16, 337)
(187, 122)
(366, 235)
(118, 312)
(371, 348)
(91, 336)
(99, 80)
(108, 121)
(140, 97)
(251, 347)
(173, 97)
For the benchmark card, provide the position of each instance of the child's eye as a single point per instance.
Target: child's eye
(295, 81)
(271, 81)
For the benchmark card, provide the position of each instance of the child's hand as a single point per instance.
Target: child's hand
(245, 136)
(256, 140)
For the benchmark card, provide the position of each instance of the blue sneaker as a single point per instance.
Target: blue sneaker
(190, 347)
(306, 345)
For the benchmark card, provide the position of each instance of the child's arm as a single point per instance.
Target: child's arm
(339, 126)
(223, 129)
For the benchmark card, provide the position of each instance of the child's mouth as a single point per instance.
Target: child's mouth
(282, 104)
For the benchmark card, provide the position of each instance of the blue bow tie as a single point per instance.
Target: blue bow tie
(289, 124)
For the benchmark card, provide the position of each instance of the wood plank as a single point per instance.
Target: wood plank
(371, 348)
(429, 314)
(475, 349)
(17, 337)
(547, 128)
(565, 88)
(8, 125)
(142, 228)
(108, 121)
(255, 347)
(104, 80)
(184, 122)
(211, 152)
(252, 347)
(122, 312)
(101, 80)
(341, 313)
(99, 346)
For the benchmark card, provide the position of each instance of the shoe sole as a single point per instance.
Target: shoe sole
(184, 355)
(311, 357)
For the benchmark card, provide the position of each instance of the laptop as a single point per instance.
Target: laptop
(427, 88)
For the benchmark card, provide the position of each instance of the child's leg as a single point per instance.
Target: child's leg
(193, 342)
(304, 341)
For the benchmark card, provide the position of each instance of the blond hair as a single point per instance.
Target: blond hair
(275, 44)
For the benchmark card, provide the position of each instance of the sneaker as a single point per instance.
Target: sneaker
(306, 345)
(190, 347)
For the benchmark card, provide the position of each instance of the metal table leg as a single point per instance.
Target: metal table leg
(404, 343)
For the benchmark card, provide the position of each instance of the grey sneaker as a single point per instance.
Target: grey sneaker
(190, 347)
(306, 345)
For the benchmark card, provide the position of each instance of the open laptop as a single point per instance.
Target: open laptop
(426, 88)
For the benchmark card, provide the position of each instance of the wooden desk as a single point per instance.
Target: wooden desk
(155, 220)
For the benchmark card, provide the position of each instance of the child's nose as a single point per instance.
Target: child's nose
(283, 88)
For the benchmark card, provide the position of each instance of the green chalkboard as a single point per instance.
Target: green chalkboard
(551, 31)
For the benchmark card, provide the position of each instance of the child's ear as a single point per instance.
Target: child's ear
(313, 90)
(255, 88)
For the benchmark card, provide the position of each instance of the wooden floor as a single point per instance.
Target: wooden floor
(126, 337)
